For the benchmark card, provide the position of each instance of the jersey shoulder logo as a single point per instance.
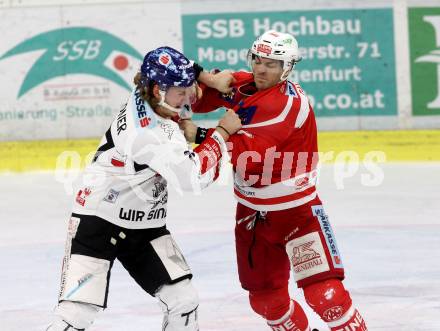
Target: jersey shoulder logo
(290, 90)
(143, 115)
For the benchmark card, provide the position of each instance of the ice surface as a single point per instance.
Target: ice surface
(389, 236)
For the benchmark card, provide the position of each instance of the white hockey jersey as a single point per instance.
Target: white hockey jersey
(126, 184)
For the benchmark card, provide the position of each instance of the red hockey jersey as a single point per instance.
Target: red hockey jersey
(274, 156)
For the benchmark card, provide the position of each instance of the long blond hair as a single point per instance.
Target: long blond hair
(146, 90)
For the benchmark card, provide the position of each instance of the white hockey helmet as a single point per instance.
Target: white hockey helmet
(277, 46)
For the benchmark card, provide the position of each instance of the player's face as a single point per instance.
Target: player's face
(177, 97)
(267, 72)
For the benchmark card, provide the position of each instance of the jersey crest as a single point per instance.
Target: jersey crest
(246, 113)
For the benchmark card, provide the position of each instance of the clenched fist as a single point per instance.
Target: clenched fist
(230, 122)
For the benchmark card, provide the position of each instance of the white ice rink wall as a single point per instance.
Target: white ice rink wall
(66, 66)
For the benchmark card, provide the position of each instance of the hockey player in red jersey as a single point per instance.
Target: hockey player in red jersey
(280, 220)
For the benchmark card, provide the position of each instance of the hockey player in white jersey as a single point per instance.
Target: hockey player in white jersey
(120, 209)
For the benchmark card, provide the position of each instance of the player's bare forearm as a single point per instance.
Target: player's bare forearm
(220, 81)
(189, 129)
(229, 124)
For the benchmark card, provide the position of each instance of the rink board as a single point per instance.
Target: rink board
(400, 146)
(70, 68)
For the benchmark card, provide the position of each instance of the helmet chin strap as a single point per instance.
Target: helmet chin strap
(163, 104)
(285, 75)
(286, 72)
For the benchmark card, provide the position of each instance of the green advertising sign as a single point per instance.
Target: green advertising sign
(73, 50)
(424, 39)
(348, 66)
